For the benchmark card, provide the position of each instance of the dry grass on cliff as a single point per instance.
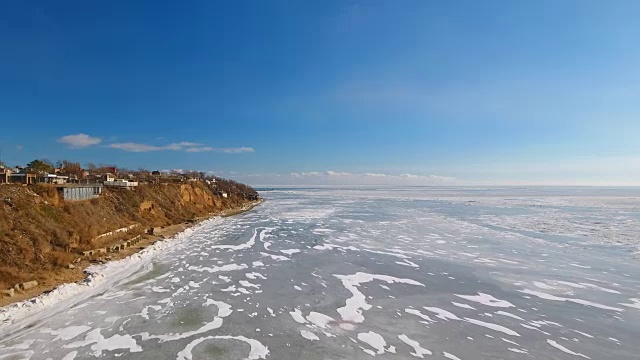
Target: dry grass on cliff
(37, 228)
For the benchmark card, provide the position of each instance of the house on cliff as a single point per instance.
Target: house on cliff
(76, 192)
(5, 175)
(21, 178)
(121, 183)
(52, 179)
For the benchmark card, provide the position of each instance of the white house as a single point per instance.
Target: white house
(61, 179)
(52, 179)
(121, 183)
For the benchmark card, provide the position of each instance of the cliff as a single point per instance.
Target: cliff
(41, 234)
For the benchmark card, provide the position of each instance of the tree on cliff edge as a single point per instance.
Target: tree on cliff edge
(70, 168)
(40, 166)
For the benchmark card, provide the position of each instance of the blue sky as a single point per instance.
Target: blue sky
(328, 92)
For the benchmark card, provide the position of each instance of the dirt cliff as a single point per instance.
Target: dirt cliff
(41, 233)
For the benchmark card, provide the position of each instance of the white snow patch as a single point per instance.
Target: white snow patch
(583, 334)
(564, 349)
(70, 356)
(387, 253)
(275, 257)
(487, 299)
(408, 263)
(419, 351)
(510, 342)
(352, 311)
(318, 319)
(542, 285)
(255, 275)
(492, 326)
(100, 343)
(214, 269)
(419, 314)
(581, 266)
(309, 335)
(572, 284)
(257, 351)
(374, 340)
(296, 314)
(442, 314)
(519, 351)
(504, 313)
(290, 251)
(67, 333)
(216, 323)
(577, 301)
(464, 306)
(593, 286)
(450, 356)
(224, 309)
(247, 284)
(635, 303)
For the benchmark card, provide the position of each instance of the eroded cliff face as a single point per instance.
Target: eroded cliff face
(198, 197)
(39, 231)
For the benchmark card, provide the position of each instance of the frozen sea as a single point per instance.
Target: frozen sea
(357, 273)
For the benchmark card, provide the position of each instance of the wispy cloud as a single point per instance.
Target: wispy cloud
(422, 177)
(334, 173)
(367, 178)
(187, 146)
(79, 141)
(305, 174)
(199, 149)
(136, 147)
(188, 143)
(238, 150)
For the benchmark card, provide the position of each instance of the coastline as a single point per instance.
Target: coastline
(85, 272)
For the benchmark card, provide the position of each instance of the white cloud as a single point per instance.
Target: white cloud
(424, 178)
(187, 143)
(186, 146)
(333, 173)
(79, 141)
(238, 150)
(442, 178)
(135, 147)
(310, 174)
(199, 149)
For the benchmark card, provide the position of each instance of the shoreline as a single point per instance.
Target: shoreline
(80, 274)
